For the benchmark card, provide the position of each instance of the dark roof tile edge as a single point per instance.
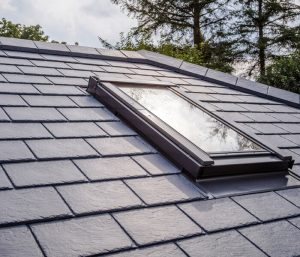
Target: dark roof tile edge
(226, 79)
(163, 61)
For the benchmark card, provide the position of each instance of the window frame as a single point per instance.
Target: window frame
(189, 157)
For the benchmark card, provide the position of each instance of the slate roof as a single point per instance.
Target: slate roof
(77, 181)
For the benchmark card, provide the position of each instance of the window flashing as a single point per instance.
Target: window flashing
(181, 151)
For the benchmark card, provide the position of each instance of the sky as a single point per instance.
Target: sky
(72, 21)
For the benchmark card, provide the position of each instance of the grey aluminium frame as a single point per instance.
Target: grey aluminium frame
(181, 151)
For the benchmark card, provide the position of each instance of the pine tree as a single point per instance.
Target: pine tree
(265, 29)
(189, 21)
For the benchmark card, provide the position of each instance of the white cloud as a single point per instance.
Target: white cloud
(70, 20)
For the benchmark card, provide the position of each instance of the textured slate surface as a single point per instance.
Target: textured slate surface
(276, 239)
(153, 225)
(64, 155)
(223, 244)
(218, 214)
(81, 237)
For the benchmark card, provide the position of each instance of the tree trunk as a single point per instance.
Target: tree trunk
(261, 42)
(196, 30)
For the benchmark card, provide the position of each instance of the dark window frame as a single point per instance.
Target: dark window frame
(181, 151)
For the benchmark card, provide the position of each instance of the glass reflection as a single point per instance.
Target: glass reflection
(197, 126)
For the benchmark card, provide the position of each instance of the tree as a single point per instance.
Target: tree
(284, 73)
(265, 29)
(16, 30)
(189, 21)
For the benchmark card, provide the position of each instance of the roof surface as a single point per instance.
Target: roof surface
(77, 181)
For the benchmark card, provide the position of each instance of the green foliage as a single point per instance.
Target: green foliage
(16, 30)
(284, 73)
(265, 29)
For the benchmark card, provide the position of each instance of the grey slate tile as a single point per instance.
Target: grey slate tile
(236, 116)
(48, 101)
(293, 138)
(261, 117)
(52, 64)
(111, 52)
(295, 221)
(278, 141)
(229, 107)
(252, 85)
(91, 61)
(292, 128)
(118, 70)
(153, 225)
(221, 76)
(8, 41)
(199, 82)
(51, 46)
(106, 75)
(23, 131)
(228, 98)
(116, 128)
(14, 151)
(86, 67)
(18, 242)
(11, 100)
(3, 116)
(39, 71)
(122, 64)
(60, 58)
(285, 117)
(267, 128)
(165, 250)
(87, 114)
(2, 78)
(9, 88)
(156, 164)
(177, 81)
(82, 49)
(120, 146)
(219, 214)
(141, 77)
(26, 205)
(14, 61)
(4, 181)
(277, 239)
(282, 108)
(292, 195)
(81, 237)
(86, 101)
(160, 58)
(74, 129)
(46, 149)
(229, 243)
(9, 69)
(58, 90)
(110, 168)
(255, 107)
(34, 114)
(284, 94)
(43, 173)
(172, 74)
(164, 189)
(25, 55)
(99, 197)
(76, 73)
(267, 206)
(197, 69)
(255, 99)
(17, 78)
(146, 72)
(68, 81)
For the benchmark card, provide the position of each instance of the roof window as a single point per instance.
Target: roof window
(195, 139)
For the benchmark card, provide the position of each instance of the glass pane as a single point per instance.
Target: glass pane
(191, 122)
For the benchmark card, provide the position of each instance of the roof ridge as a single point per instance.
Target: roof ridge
(160, 60)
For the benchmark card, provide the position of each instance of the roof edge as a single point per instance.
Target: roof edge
(160, 60)
(226, 79)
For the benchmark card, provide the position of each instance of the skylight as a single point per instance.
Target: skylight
(191, 122)
(196, 140)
